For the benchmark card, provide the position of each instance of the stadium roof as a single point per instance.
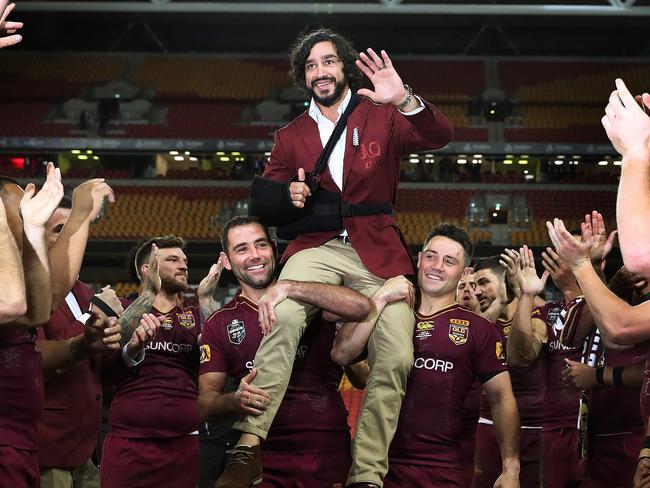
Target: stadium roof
(605, 28)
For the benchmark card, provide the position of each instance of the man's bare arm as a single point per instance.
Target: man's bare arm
(527, 335)
(100, 336)
(130, 319)
(66, 254)
(13, 302)
(215, 404)
(340, 300)
(506, 423)
(352, 337)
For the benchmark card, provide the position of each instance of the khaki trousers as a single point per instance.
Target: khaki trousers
(390, 356)
(84, 476)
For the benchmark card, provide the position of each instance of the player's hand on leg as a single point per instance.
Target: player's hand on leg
(507, 480)
(250, 399)
(266, 305)
(642, 474)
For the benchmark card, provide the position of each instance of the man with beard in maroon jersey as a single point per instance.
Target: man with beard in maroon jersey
(309, 442)
(538, 329)
(494, 291)
(453, 347)
(152, 439)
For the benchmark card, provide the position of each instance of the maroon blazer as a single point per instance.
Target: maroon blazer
(370, 175)
(69, 427)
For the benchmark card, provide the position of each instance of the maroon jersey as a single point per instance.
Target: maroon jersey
(528, 386)
(615, 410)
(451, 348)
(159, 397)
(69, 427)
(312, 416)
(21, 398)
(560, 404)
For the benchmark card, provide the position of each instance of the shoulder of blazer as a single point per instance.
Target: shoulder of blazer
(299, 123)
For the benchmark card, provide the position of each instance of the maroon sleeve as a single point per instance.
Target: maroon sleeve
(214, 356)
(489, 356)
(426, 130)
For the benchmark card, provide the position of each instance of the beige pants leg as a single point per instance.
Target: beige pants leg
(84, 476)
(390, 357)
(56, 478)
(334, 263)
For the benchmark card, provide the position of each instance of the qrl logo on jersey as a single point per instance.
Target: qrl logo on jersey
(458, 333)
(433, 364)
(186, 320)
(236, 331)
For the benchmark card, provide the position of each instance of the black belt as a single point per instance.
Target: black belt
(354, 209)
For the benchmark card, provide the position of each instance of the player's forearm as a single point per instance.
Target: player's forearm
(506, 425)
(348, 304)
(613, 316)
(13, 301)
(214, 405)
(520, 349)
(66, 256)
(352, 338)
(624, 376)
(494, 310)
(207, 306)
(632, 209)
(130, 318)
(37, 278)
(59, 356)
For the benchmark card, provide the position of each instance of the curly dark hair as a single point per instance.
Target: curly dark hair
(302, 47)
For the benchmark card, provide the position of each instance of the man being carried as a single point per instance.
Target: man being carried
(367, 250)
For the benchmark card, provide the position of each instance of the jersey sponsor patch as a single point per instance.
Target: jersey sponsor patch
(423, 330)
(553, 315)
(186, 320)
(506, 330)
(458, 333)
(206, 355)
(236, 331)
(168, 323)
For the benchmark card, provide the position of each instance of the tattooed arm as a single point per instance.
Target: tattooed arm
(130, 319)
(205, 293)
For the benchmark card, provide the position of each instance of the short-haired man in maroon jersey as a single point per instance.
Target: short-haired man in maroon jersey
(453, 346)
(309, 442)
(494, 291)
(535, 336)
(152, 439)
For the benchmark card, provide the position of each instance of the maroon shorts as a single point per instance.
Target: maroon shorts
(327, 469)
(150, 463)
(487, 457)
(612, 460)
(411, 476)
(561, 464)
(19, 468)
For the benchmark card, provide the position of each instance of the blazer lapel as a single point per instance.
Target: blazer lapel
(357, 119)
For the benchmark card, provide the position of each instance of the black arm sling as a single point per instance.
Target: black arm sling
(324, 210)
